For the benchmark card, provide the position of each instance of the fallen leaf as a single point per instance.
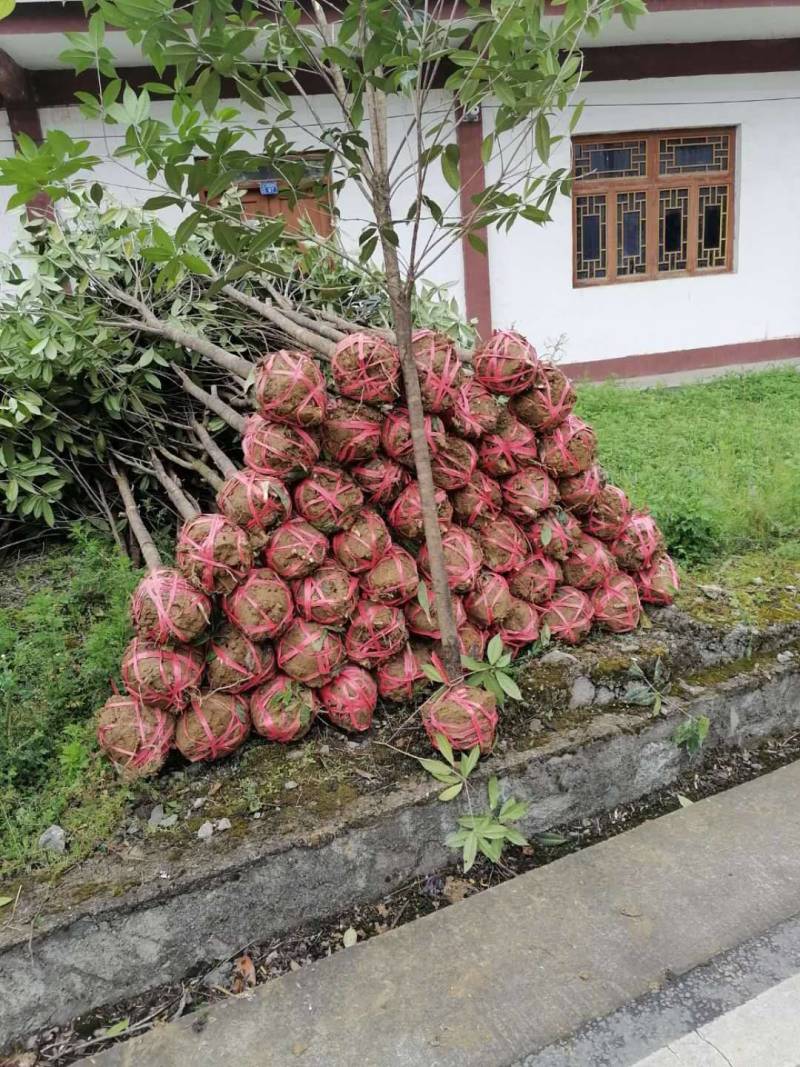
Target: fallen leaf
(456, 889)
(116, 1028)
(215, 788)
(5, 901)
(683, 801)
(350, 937)
(244, 974)
(298, 1048)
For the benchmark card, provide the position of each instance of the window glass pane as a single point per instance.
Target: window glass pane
(693, 152)
(591, 238)
(631, 231)
(694, 155)
(672, 229)
(712, 229)
(673, 216)
(610, 159)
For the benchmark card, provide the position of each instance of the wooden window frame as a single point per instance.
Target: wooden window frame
(652, 183)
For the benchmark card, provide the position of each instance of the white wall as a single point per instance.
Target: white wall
(531, 270)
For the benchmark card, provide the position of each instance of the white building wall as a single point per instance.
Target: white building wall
(531, 267)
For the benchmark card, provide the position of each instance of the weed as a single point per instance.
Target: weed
(692, 733)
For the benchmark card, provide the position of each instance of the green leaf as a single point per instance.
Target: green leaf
(470, 851)
(425, 603)
(451, 792)
(543, 138)
(512, 810)
(551, 840)
(197, 264)
(469, 761)
(508, 685)
(450, 168)
(493, 791)
(155, 203)
(6, 7)
(5, 901)
(435, 766)
(495, 649)
(430, 671)
(117, 1028)
(546, 534)
(445, 748)
(514, 837)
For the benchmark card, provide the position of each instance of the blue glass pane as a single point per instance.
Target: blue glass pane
(610, 160)
(590, 237)
(672, 229)
(694, 155)
(631, 233)
(712, 226)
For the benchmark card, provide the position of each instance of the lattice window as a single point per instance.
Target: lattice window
(646, 205)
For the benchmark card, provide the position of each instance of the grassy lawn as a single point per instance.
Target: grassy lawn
(718, 465)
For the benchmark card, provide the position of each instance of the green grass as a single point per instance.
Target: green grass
(718, 464)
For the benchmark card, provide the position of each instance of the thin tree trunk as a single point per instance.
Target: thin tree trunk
(213, 403)
(140, 531)
(112, 522)
(193, 463)
(173, 490)
(223, 462)
(308, 338)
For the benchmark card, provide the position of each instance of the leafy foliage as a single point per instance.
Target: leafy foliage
(692, 733)
(489, 832)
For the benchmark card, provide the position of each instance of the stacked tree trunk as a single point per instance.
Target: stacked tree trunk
(309, 591)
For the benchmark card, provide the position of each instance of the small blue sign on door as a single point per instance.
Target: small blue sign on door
(268, 187)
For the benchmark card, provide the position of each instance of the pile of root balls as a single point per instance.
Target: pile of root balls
(309, 591)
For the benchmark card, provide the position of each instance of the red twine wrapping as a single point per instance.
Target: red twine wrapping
(213, 553)
(616, 604)
(421, 617)
(554, 533)
(589, 563)
(464, 715)
(438, 367)
(285, 452)
(536, 582)
(366, 368)
(309, 653)
(610, 513)
(290, 387)
(160, 677)
(529, 492)
(213, 726)
(283, 710)
(393, 580)
(359, 548)
(328, 499)
(639, 543)
(506, 364)
(520, 627)
(463, 558)
(400, 678)
(568, 615)
(350, 699)
(454, 464)
(472, 641)
(295, 549)
(475, 411)
(377, 632)
(381, 479)
(396, 436)
(406, 516)
(351, 433)
(505, 547)
(548, 402)
(490, 600)
(262, 605)
(659, 583)
(167, 608)
(136, 737)
(569, 448)
(509, 448)
(579, 491)
(235, 663)
(478, 502)
(255, 501)
(328, 596)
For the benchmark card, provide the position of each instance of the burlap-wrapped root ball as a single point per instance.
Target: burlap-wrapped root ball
(377, 632)
(465, 715)
(554, 533)
(350, 699)
(295, 549)
(328, 498)
(472, 641)
(328, 596)
(285, 452)
(396, 436)
(212, 553)
(480, 501)
(351, 432)
(366, 368)
(639, 544)
(262, 606)
(609, 515)
(489, 602)
(438, 367)
(658, 583)
(454, 464)
(167, 608)
(401, 678)
(579, 491)
(309, 653)
(136, 737)
(520, 627)
(568, 615)
(421, 617)
(537, 580)
(568, 449)
(463, 558)
(393, 580)
(161, 677)
(256, 502)
(589, 563)
(475, 411)
(506, 364)
(405, 515)
(381, 479)
(616, 604)
(359, 548)
(504, 545)
(283, 710)
(508, 448)
(290, 388)
(529, 492)
(547, 402)
(235, 663)
(213, 726)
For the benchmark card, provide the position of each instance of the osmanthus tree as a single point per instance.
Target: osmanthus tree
(425, 66)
